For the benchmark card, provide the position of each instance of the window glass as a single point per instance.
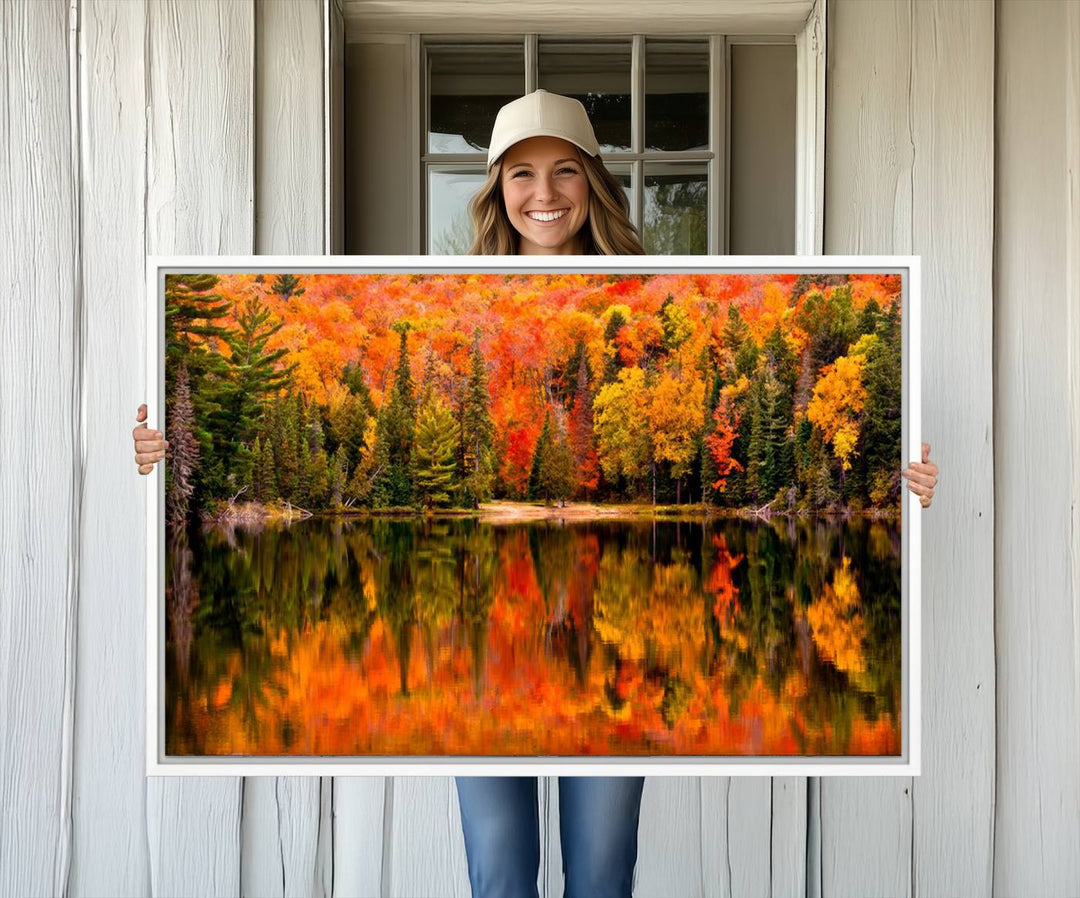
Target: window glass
(467, 84)
(597, 74)
(449, 191)
(676, 95)
(676, 208)
(624, 176)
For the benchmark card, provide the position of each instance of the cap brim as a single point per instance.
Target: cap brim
(495, 153)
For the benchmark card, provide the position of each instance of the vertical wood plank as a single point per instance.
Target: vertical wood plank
(715, 851)
(788, 861)
(359, 814)
(1037, 814)
(199, 200)
(910, 169)
(1072, 291)
(289, 128)
(40, 447)
(425, 849)
(669, 838)
(280, 836)
(736, 835)
(865, 838)
(952, 127)
(361, 811)
(282, 815)
(110, 851)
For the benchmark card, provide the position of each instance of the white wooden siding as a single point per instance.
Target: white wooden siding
(1036, 838)
(285, 851)
(199, 199)
(110, 854)
(175, 127)
(909, 149)
(41, 456)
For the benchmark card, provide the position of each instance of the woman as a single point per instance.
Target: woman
(548, 193)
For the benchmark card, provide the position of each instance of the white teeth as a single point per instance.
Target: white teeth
(546, 216)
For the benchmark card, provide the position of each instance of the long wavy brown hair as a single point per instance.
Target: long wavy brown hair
(607, 231)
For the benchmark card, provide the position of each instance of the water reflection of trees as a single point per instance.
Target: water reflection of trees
(806, 610)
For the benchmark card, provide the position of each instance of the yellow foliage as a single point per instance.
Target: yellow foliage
(839, 397)
(676, 414)
(836, 624)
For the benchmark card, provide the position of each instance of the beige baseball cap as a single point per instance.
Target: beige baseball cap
(541, 114)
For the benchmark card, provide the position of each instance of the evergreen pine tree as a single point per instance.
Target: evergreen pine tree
(286, 453)
(757, 448)
(266, 477)
(477, 431)
(192, 325)
(303, 485)
(182, 454)
(556, 473)
(615, 323)
(256, 466)
(286, 286)
(868, 318)
(396, 433)
(319, 464)
(191, 311)
(882, 412)
(253, 373)
(433, 457)
(337, 478)
(737, 340)
(543, 444)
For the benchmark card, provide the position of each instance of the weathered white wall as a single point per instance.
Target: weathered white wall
(1036, 837)
(126, 131)
(910, 153)
(41, 452)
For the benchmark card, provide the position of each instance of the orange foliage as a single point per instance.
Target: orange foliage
(720, 441)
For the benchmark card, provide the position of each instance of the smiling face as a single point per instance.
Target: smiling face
(546, 195)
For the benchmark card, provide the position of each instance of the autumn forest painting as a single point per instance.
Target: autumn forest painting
(532, 515)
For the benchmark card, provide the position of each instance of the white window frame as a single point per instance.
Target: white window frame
(809, 127)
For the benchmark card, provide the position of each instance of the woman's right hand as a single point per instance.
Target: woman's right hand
(149, 446)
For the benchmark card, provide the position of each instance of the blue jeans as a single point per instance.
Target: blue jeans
(598, 822)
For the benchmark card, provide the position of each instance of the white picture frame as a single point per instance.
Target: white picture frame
(908, 763)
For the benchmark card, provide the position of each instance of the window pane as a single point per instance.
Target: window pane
(676, 208)
(624, 176)
(467, 84)
(676, 95)
(449, 191)
(597, 74)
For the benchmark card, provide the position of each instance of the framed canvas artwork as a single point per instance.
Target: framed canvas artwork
(599, 515)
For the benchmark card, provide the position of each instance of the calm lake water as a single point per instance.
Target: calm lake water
(458, 636)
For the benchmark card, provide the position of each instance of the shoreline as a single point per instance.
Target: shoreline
(506, 511)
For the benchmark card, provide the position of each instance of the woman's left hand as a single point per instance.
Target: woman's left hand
(922, 477)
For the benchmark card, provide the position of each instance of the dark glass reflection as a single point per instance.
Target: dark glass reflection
(676, 95)
(458, 636)
(598, 75)
(467, 85)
